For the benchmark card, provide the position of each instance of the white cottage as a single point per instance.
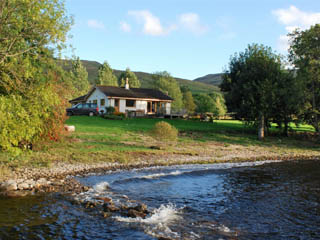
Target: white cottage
(126, 100)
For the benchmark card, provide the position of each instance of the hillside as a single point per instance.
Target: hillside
(145, 78)
(212, 79)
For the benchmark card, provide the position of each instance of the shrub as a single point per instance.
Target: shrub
(120, 114)
(110, 110)
(164, 132)
(30, 119)
(113, 117)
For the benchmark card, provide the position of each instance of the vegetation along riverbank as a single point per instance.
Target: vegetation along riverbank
(99, 145)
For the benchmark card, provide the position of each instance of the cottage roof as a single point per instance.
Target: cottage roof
(139, 93)
(78, 99)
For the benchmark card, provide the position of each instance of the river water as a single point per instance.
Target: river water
(263, 200)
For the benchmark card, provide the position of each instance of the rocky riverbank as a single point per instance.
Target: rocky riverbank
(60, 177)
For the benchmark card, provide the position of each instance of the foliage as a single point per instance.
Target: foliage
(113, 117)
(251, 83)
(28, 27)
(220, 108)
(204, 103)
(305, 55)
(32, 86)
(188, 102)
(37, 116)
(110, 110)
(132, 78)
(164, 82)
(106, 76)
(164, 132)
(79, 77)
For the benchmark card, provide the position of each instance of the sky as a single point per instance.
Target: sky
(187, 38)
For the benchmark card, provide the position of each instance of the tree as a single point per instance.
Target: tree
(220, 108)
(305, 55)
(133, 80)
(32, 86)
(27, 29)
(204, 103)
(188, 102)
(106, 76)
(79, 76)
(164, 82)
(250, 83)
(289, 104)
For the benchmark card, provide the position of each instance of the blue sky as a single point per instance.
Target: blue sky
(188, 38)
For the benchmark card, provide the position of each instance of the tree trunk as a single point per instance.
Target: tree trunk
(314, 107)
(285, 130)
(261, 128)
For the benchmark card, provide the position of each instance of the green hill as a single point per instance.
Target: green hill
(212, 79)
(145, 78)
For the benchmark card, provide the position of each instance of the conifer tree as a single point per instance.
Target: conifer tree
(106, 76)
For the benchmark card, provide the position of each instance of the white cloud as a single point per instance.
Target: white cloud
(93, 23)
(293, 18)
(151, 24)
(191, 22)
(124, 26)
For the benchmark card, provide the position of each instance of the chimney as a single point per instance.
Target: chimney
(127, 84)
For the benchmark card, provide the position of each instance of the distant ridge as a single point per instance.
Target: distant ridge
(212, 79)
(145, 78)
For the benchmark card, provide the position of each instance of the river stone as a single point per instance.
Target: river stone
(14, 194)
(30, 182)
(134, 214)
(109, 207)
(23, 186)
(42, 181)
(141, 208)
(10, 185)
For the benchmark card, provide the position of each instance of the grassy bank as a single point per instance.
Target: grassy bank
(128, 141)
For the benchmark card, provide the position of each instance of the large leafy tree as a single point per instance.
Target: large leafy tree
(132, 79)
(79, 76)
(250, 84)
(204, 103)
(289, 104)
(28, 28)
(164, 82)
(32, 87)
(305, 55)
(188, 102)
(106, 76)
(220, 107)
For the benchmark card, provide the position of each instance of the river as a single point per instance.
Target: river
(262, 200)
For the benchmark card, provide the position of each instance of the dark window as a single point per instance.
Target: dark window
(130, 103)
(102, 102)
(95, 101)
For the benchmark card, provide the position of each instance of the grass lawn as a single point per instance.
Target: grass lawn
(100, 140)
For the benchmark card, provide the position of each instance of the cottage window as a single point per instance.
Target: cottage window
(102, 102)
(130, 103)
(95, 101)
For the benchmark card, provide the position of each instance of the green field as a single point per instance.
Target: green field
(124, 141)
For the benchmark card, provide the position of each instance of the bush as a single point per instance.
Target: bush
(120, 114)
(113, 117)
(110, 110)
(30, 119)
(164, 132)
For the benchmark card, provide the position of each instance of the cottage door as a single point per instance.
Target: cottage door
(116, 105)
(149, 107)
